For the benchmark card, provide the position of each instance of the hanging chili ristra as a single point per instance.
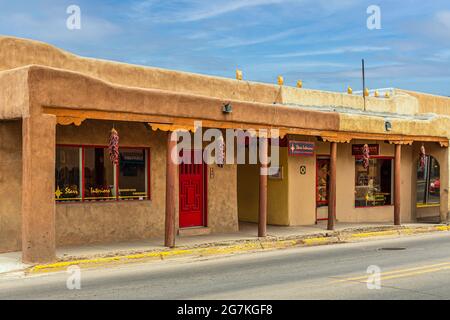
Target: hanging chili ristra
(423, 157)
(114, 146)
(366, 156)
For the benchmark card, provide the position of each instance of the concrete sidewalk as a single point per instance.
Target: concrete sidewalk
(247, 232)
(242, 241)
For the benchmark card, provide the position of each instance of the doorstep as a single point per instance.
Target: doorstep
(196, 231)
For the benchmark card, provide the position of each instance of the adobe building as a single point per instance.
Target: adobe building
(58, 187)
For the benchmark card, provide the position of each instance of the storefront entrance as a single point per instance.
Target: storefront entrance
(322, 187)
(192, 193)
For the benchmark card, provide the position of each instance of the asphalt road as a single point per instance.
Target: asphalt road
(420, 271)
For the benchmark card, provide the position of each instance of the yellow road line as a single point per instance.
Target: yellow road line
(415, 273)
(402, 272)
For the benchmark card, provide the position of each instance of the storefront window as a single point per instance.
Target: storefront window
(323, 181)
(373, 185)
(87, 174)
(428, 183)
(68, 174)
(133, 174)
(99, 172)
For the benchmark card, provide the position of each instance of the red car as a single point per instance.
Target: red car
(435, 186)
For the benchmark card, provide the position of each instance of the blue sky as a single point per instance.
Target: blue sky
(318, 41)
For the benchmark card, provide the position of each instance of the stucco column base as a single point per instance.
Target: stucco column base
(38, 183)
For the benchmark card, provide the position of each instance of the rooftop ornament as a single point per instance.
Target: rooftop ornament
(239, 74)
(280, 80)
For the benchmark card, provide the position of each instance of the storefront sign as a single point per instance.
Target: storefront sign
(301, 148)
(303, 170)
(357, 149)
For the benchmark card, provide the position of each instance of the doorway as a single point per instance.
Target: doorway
(192, 192)
(322, 187)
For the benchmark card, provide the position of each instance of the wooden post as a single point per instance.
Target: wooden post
(171, 171)
(332, 189)
(397, 183)
(263, 153)
(444, 178)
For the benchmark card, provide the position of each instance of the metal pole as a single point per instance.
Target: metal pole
(364, 82)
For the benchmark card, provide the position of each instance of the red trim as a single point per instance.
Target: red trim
(83, 147)
(376, 157)
(82, 174)
(149, 175)
(385, 205)
(205, 194)
(319, 157)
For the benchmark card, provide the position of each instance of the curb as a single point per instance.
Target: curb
(240, 247)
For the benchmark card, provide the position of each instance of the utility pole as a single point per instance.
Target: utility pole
(364, 83)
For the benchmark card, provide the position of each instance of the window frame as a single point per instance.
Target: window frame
(116, 168)
(392, 182)
(426, 203)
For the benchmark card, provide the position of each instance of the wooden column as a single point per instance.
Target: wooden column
(444, 178)
(397, 183)
(332, 188)
(171, 172)
(38, 188)
(263, 154)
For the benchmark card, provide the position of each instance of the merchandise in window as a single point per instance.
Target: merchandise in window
(68, 174)
(99, 173)
(373, 186)
(87, 174)
(133, 174)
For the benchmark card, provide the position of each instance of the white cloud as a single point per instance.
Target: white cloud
(237, 42)
(441, 56)
(199, 10)
(335, 51)
(53, 28)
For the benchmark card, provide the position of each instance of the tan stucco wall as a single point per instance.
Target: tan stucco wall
(14, 102)
(345, 205)
(277, 193)
(114, 221)
(10, 185)
(302, 201)
(119, 221)
(16, 53)
(222, 199)
(429, 103)
(402, 104)
(302, 188)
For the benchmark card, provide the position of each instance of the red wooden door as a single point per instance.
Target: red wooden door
(192, 189)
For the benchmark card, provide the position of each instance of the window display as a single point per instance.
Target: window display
(87, 174)
(68, 174)
(373, 186)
